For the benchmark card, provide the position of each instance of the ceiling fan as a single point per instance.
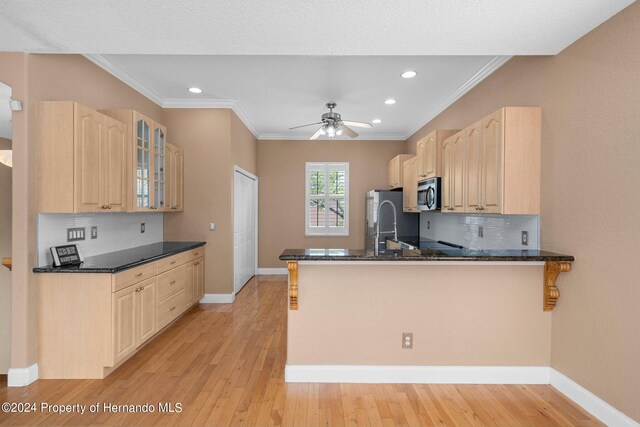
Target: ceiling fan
(333, 125)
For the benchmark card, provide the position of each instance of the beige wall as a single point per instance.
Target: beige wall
(244, 146)
(460, 315)
(589, 96)
(281, 168)
(5, 251)
(213, 141)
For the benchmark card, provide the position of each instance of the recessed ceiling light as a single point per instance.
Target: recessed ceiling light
(390, 101)
(195, 90)
(408, 74)
(376, 121)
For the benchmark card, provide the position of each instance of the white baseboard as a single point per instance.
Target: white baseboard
(273, 271)
(417, 374)
(20, 377)
(217, 299)
(589, 401)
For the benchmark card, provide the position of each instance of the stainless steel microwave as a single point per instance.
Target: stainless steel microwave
(429, 194)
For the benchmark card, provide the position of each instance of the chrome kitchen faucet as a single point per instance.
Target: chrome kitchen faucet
(376, 248)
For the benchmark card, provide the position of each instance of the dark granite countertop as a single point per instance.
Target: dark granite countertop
(117, 261)
(449, 254)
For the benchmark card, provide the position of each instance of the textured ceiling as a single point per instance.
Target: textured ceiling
(300, 27)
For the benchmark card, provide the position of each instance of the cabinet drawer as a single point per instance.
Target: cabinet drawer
(134, 275)
(173, 261)
(171, 308)
(196, 253)
(171, 282)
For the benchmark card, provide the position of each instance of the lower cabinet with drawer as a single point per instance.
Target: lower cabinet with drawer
(90, 323)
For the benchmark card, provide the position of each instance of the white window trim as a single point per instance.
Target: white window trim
(327, 231)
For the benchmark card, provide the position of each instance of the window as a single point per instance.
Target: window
(327, 199)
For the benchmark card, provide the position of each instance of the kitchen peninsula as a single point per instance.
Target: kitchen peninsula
(471, 314)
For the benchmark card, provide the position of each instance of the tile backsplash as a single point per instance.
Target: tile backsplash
(116, 231)
(499, 231)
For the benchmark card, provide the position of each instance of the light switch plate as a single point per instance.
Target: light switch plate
(142, 227)
(525, 238)
(212, 226)
(75, 234)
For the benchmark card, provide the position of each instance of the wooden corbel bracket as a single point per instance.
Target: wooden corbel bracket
(551, 293)
(293, 285)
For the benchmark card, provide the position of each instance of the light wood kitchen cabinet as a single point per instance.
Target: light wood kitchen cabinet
(473, 167)
(396, 171)
(429, 154)
(199, 279)
(134, 318)
(124, 323)
(500, 164)
(108, 317)
(410, 189)
(446, 180)
(146, 306)
(453, 173)
(492, 182)
(175, 178)
(195, 281)
(147, 171)
(82, 159)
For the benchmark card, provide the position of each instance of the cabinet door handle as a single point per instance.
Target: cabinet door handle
(137, 289)
(172, 282)
(172, 308)
(142, 288)
(139, 274)
(196, 253)
(104, 207)
(172, 262)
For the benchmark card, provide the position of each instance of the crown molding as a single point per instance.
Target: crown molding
(484, 72)
(127, 78)
(232, 104)
(305, 136)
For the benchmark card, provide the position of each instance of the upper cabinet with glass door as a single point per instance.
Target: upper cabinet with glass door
(148, 177)
(159, 168)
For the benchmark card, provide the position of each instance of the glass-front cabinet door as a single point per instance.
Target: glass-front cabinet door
(159, 167)
(143, 155)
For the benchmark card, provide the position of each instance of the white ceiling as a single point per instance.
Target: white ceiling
(277, 63)
(301, 27)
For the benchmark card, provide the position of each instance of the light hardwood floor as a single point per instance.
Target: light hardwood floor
(225, 364)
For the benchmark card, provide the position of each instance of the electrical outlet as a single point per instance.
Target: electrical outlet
(480, 231)
(142, 227)
(407, 340)
(94, 232)
(428, 225)
(212, 226)
(525, 238)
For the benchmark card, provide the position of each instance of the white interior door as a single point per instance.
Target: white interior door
(245, 213)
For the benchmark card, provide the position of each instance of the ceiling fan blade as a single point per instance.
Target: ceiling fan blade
(304, 126)
(347, 131)
(357, 124)
(317, 134)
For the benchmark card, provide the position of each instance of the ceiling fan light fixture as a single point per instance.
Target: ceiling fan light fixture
(409, 74)
(390, 101)
(339, 132)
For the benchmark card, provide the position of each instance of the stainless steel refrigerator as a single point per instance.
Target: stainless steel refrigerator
(407, 223)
